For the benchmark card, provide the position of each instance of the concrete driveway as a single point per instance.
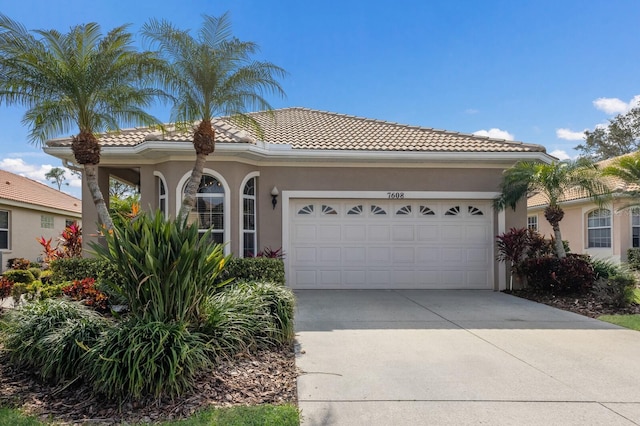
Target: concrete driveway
(410, 357)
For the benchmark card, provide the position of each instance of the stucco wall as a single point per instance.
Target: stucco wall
(25, 228)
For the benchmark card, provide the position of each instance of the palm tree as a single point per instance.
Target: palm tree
(79, 80)
(627, 169)
(552, 181)
(211, 74)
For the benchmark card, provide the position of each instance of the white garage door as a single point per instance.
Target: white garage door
(426, 244)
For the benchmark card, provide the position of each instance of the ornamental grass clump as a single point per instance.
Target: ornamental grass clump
(166, 269)
(47, 335)
(140, 358)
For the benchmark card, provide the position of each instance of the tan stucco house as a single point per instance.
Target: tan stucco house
(29, 210)
(353, 202)
(604, 232)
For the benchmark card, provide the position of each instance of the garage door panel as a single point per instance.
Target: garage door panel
(390, 244)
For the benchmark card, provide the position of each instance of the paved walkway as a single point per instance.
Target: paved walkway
(460, 358)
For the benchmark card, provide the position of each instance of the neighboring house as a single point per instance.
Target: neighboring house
(30, 210)
(353, 202)
(605, 232)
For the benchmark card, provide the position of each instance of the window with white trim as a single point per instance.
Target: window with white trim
(4, 230)
(599, 228)
(635, 227)
(162, 196)
(46, 221)
(249, 234)
(532, 223)
(209, 207)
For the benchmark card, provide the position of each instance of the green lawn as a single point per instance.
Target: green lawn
(261, 415)
(628, 321)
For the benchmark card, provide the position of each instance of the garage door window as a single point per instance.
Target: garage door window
(426, 211)
(355, 210)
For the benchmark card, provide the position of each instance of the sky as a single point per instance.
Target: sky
(536, 71)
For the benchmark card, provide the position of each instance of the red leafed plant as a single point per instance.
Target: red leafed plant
(5, 287)
(271, 253)
(85, 291)
(69, 244)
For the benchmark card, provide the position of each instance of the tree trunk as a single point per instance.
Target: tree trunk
(559, 244)
(91, 175)
(189, 197)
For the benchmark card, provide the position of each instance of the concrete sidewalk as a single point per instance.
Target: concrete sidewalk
(413, 357)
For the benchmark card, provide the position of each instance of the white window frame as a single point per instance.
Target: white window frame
(165, 197)
(242, 196)
(635, 225)
(226, 220)
(7, 230)
(532, 222)
(599, 227)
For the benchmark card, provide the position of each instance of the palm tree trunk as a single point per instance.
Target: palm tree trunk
(189, 197)
(559, 244)
(91, 175)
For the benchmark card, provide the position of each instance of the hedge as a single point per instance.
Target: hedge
(262, 269)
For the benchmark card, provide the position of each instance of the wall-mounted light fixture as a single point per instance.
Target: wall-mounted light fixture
(274, 197)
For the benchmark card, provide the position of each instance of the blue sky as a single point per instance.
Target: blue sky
(535, 71)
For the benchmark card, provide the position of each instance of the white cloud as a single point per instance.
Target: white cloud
(495, 134)
(570, 135)
(615, 105)
(561, 155)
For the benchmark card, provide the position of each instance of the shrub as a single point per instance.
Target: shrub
(605, 268)
(616, 290)
(6, 286)
(38, 290)
(85, 291)
(139, 358)
(572, 274)
(36, 272)
(43, 335)
(76, 268)
(254, 269)
(271, 253)
(281, 303)
(20, 263)
(45, 277)
(633, 258)
(19, 276)
(167, 268)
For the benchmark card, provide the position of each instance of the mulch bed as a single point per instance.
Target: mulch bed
(587, 305)
(248, 379)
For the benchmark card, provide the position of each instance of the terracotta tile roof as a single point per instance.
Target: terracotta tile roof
(25, 190)
(304, 128)
(613, 183)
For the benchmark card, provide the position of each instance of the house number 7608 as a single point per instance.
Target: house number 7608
(395, 195)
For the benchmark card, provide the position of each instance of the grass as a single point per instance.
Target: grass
(259, 415)
(627, 321)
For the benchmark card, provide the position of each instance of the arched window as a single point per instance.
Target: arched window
(209, 207)
(635, 227)
(249, 234)
(163, 195)
(599, 228)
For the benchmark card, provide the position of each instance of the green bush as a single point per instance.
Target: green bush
(140, 358)
(633, 258)
(43, 336)
(45, 277)
(36, 272)
(605, 268)
(281, 303)
(75, 268)
(166, 269)
(38, 290)
(616, 290)
(262, 269)
(19, 276)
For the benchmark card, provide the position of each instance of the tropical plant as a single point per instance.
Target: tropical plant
(80, 79)
(164, 269)
(85, 291)
(69, 244)
(211, 73)
(141, 357)
(627, 169)
(552, 181)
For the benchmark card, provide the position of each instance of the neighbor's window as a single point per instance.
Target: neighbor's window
(162, 197)
(635, 228)
(532, 223)
(209, 207)
(46, 221)
(249, 235)
(4, 230)
(69, 222)
(599, 228)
